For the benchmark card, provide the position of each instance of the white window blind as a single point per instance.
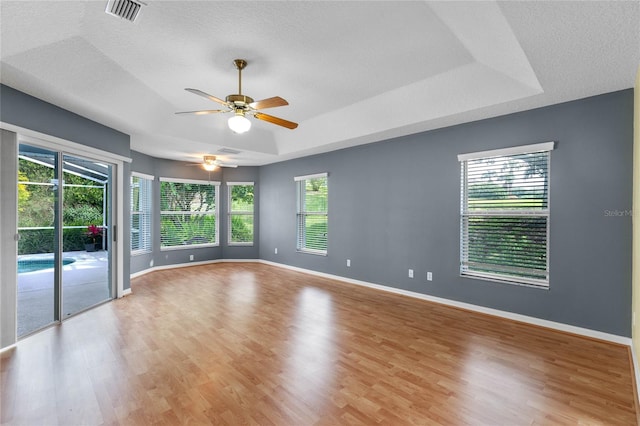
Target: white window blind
(312, 214)
(141, 207)
(505, 215)
(240, 213)
(188, 213)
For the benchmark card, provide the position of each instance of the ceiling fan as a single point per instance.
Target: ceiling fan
(210, 162)
(242, 105)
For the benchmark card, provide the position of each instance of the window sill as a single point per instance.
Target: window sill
(505, 281)
(240, 245)
(314, 252)
(140, 252)
(186, 247)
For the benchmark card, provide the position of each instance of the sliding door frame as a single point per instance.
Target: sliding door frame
(8, 239)
(120, 183)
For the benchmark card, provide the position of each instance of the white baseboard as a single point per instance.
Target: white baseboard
(126, 292)
(622, 340)
(6, 348)
(140, 273)
(186, 265)
(240, 260)
(636, 372)
(586, 332)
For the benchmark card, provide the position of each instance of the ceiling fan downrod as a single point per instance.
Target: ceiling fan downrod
(240, 64)
(239, 101)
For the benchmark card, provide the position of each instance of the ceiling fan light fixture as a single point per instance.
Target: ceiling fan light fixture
(239, 123)
(209, 167)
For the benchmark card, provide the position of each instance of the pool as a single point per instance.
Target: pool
(31, 265)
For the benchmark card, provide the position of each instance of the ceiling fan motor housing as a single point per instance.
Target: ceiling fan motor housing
(239, 101)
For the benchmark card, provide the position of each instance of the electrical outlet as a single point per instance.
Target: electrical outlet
(429, 276)
(410, 273)
(276, 250)
(190, 257)
(348, 263)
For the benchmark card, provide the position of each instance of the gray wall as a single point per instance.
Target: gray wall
(176, 169)
(22, 110)
(395, 205)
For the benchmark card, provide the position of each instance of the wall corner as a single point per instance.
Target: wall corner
(635, 305)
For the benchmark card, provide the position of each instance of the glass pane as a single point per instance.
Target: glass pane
(135, 193)
(187, 197)
(37, 192)
(187, 214)
(315, 231)
(140, 214)
(242, 228)
(515, 246)
(315, 197)
(242, 198)
(517, 182)
(86, 277)
(187, 229)
(135, 232)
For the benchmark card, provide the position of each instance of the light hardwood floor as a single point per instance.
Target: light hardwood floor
(254, 344)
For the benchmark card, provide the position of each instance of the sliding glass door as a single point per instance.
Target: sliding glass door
(85, 216)
(38, 244)
(64, 222)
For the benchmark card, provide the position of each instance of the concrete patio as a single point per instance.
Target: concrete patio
(85, 283)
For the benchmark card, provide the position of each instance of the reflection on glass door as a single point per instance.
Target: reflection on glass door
(85, 214)
(37, 207)
(64, 217)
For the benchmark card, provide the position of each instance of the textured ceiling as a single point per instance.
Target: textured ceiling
(353, 72)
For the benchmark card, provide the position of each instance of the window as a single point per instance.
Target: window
(312, 216)
(240, 213)
(141, 189)
(505, 215)
(188, 213)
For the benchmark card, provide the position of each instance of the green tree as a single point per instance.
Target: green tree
(191, 219)
(82, 206)
(23, 192)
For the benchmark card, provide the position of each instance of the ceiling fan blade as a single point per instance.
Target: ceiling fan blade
(233, 166)
(206, 95)
(276, 101)
(203, 112)
(276, 120)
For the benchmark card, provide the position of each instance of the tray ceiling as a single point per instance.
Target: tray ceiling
(353, 72)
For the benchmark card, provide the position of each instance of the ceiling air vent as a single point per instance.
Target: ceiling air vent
(228, 151)
(125, 9)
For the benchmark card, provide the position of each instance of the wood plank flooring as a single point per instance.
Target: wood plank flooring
(248, 343)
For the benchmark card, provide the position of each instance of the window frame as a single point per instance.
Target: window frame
(148, 247)
(215, 213)
(542, 148)
(231, 213)
(301, 213)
